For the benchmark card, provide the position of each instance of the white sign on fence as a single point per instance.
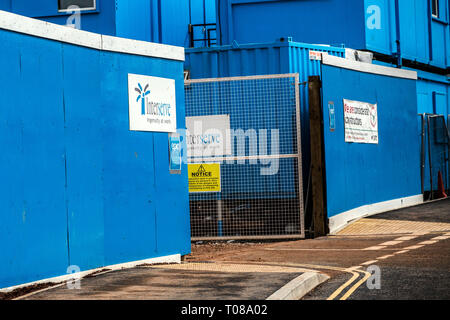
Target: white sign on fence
(361, 122)
(208, 136)
(152, 104)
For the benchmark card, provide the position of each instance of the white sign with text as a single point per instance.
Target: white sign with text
(361, 122)
(152, 104)
(208, 136)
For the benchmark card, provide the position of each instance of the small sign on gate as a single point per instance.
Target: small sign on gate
(204, 177)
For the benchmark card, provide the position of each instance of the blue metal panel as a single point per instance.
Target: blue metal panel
(422, 38)
(363, 174)
(5, 5)
(133, 20)
(328, 22)
(136, 164)
(380, 26)
(78, 186)
(426, 85)
(83, 136)
(414, 30)
(148, 20)
(202, 11)
(33, 228)
(101, 20)
(153, 20)
(174, 23)
(173, 234)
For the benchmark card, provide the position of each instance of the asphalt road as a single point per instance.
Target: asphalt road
(420, 273)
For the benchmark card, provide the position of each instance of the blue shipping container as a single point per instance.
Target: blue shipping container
(262, 59)
(376, 25)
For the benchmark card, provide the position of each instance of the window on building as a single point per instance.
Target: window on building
(64, 5)
(435, 8)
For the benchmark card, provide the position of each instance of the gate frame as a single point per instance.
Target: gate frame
(296, 77)
(425, 134)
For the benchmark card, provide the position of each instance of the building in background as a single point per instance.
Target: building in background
(167, 22)
(411, 34)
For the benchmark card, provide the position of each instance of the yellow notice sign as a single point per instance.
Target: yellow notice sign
(204, 177)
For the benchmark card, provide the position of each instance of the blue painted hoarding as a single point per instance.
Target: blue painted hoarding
(79, 188)
(359, 174)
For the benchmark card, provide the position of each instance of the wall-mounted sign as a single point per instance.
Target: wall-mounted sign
(152, 104)
(204, 177)
(361, 122)
(208, 136)
(174, 153)
(316, 55)
(332, 116)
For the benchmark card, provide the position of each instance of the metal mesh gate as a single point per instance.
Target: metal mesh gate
(255, 122)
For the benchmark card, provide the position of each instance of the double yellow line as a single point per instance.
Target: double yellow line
(354, 271)
(355, 275)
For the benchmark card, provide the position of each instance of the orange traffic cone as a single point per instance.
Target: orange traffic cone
(441, 190)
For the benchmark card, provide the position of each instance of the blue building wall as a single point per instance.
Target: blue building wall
(80, 188)
(5, 5)
(362, 174)
(374, 25)
(161, 21)
(101, 20)
(422, 38)
(249, 21)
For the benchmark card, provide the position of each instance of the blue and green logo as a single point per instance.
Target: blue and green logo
(142, 94)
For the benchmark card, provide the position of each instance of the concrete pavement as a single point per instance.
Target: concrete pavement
(410, 248)
(192, 281)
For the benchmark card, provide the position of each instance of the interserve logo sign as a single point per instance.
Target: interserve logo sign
(152, 104)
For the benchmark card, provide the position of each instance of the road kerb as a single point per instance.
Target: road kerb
(300, 286)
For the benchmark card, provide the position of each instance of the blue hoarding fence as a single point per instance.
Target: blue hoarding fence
(79, 187)
(372, 156)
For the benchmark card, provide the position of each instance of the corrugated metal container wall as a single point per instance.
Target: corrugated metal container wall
(422, 36)
(375, 25)
(327, 22)
(263, 59)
